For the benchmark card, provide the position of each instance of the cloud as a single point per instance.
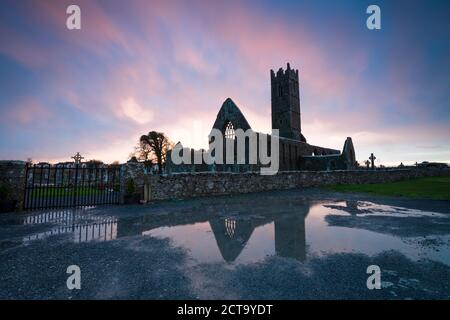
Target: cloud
(164, 65)
(131, 109)
(26, 112)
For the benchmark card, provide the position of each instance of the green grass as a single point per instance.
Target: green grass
(437, 188)
(69, 191)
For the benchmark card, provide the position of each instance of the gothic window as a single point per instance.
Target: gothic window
(332, 165)
(230, 227)
(229, 131)
(280, 90)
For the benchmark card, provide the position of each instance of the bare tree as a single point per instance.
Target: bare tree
(94, 162)
(153, 147)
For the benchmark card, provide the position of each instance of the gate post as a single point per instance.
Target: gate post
(12, 184)
(147, 192)
(122, 184)
(75, 187)
(132, 172)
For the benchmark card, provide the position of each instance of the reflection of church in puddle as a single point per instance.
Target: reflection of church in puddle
(232, 232)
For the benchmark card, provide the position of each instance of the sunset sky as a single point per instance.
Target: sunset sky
(137, 66)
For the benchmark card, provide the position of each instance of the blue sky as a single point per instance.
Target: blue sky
(169, 65)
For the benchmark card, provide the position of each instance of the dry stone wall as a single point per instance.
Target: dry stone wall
(179, 186)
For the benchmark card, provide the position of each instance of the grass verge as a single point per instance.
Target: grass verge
(436, 188)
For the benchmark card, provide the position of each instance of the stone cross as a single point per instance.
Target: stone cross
(372, 159)
(367, 162)
(77, 158)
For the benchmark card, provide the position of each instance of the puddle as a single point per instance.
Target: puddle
(78, 225)
(249, 229)
(299, 234)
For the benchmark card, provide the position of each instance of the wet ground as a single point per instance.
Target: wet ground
(308, 244)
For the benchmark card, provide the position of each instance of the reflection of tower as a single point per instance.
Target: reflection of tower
(352, 206)
(231, 236)
(290, 237)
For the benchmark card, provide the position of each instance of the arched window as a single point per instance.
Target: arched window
(230, 227)
(229, 131)
(280, 90)
(332, 165)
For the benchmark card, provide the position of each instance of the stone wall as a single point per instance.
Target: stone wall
(188, 185)
(12, 178)
(179, 186)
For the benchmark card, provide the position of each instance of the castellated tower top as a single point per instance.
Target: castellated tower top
(290, 73)
(286, 103)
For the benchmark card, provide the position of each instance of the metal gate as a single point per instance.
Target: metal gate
(71, 185)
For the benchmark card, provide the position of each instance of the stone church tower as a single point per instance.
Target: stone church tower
(286, 103)
(294, 153)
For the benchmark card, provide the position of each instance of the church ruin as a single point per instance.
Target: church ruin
(294, 151)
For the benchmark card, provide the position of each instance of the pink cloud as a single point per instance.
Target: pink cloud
(230, 57)
(21, 48)
(26, 112)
